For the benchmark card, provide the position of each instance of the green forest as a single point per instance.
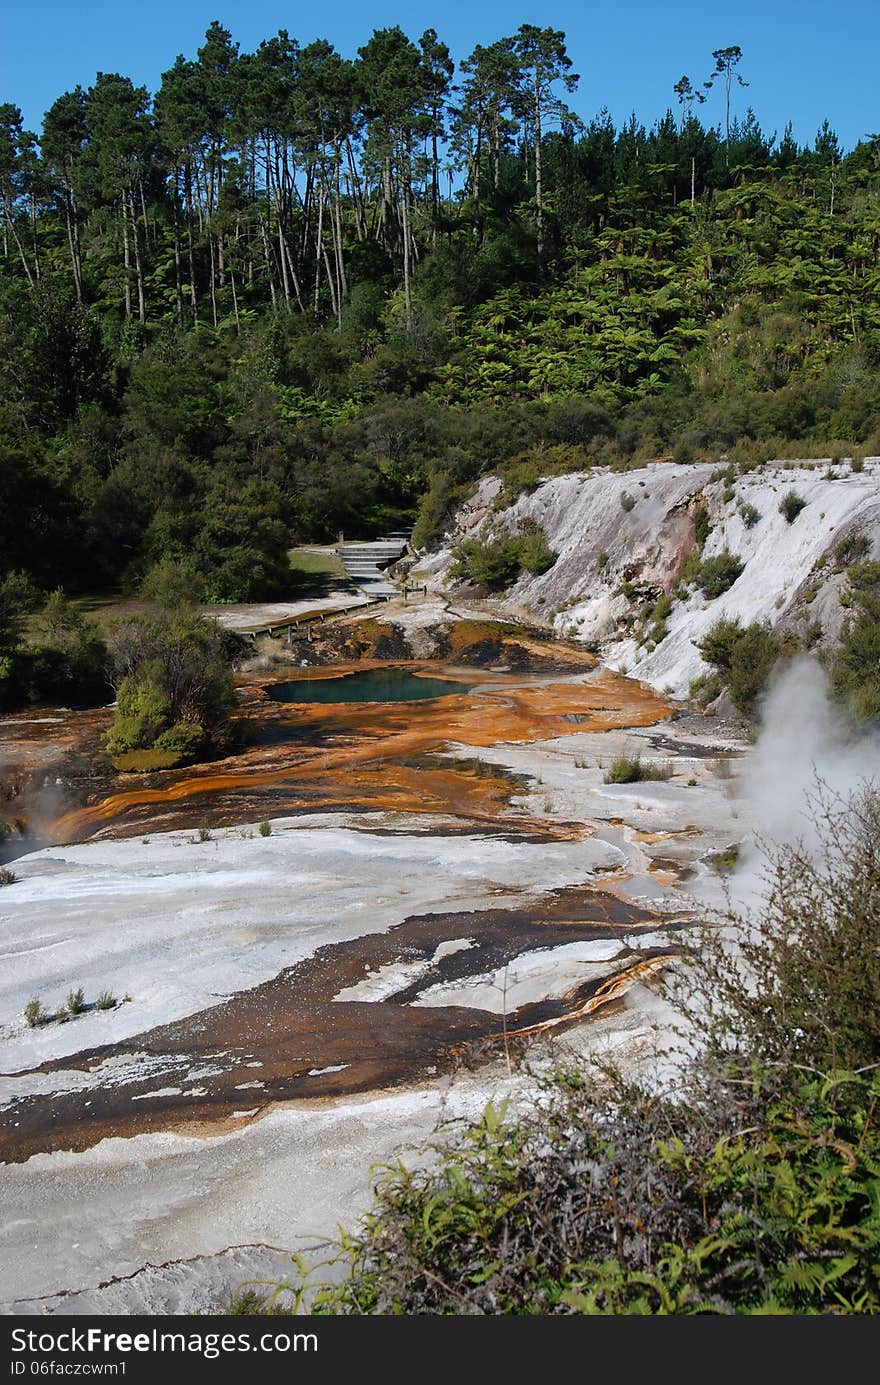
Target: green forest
(289, 294)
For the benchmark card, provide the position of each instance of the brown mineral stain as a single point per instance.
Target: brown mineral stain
(292, 1037)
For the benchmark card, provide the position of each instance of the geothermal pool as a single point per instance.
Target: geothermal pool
(375, 685)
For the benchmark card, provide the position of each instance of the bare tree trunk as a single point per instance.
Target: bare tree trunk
(334, 297)
(144, 214)
(178, 286)
(234, 299)
(539, 199)
(264, 236)
(358, 196)
(70, 216)
(318, 247)
(391, 236)
(138, 267)
(435, 184)
(340, 261)
(282, 249)
(126, 256)
(407, 289)
(293, 276)
(18, 244)
(213, 279)
(193, 295)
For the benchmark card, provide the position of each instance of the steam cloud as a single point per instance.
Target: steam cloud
(805, 740)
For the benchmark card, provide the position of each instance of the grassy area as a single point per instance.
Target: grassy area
(310, 561)
(316, 572)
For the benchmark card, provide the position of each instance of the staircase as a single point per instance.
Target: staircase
(365, 563)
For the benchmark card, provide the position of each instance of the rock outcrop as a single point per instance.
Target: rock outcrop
(623, 537)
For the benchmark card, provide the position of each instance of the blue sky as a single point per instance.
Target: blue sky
(804, 59)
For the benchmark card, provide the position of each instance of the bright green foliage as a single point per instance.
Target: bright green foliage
(59, 656)
(143, 710)
(493, 563)
(172, 583)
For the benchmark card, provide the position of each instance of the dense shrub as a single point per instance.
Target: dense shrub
(174, 685)
(59, 656)
(496, 562)
(493, 563)
(791, 505)
(855, 671)
(743, 657)
(718, 574)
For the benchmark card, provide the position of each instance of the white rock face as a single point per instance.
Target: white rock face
(611, 527)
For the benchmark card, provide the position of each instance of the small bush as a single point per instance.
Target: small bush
(204, 834)
(702, 525)
(627, 501)
(492, 564)
(706, 688)
(857, 464)
(864, 576)
(265, 829)
(632, 769)
(76, 1001)
(34, 1013)
(850, 549)
(749, 514)
(602, 561)
(7, 877)
(718, 574)
(533, 551)
(185, 739)
(791, 505)
(106, 1001)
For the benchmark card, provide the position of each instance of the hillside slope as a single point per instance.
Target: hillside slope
(622, 539)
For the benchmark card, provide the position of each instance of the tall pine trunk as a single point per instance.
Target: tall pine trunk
(539, 198)
(126, 259)
(138, 266)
